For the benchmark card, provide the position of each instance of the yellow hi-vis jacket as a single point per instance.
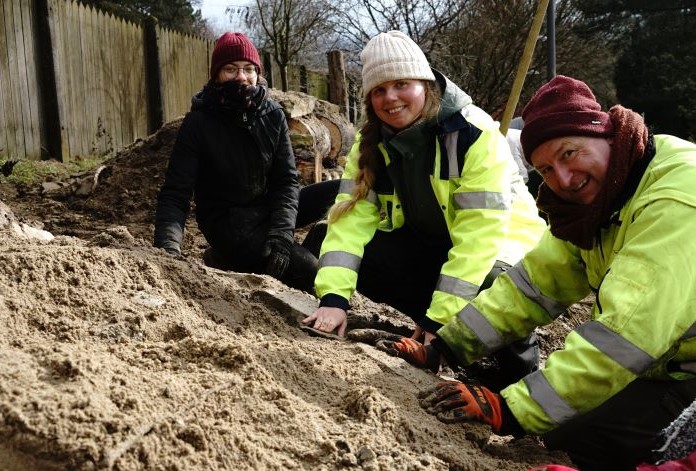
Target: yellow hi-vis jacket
(643, 270)
(490, 214)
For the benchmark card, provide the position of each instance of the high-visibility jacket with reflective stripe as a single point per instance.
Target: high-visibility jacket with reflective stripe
(643, 270)
(489, 212)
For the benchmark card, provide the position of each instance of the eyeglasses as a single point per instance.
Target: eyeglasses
(249, 70)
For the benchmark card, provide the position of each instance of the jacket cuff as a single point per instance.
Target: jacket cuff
(509, 424)
(428, 324)
(334, 300)
(445, 352)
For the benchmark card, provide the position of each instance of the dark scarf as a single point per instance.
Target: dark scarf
(233, 98)
(631, 152)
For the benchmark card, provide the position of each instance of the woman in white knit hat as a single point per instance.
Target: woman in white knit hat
(431, 206)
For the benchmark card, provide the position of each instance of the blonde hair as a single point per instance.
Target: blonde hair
(370, 157)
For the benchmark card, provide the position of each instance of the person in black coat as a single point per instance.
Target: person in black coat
(233, 155)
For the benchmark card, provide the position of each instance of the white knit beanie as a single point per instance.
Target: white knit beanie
(392, 56)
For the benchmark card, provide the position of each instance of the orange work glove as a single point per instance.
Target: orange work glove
(452, 401)
(414, 352)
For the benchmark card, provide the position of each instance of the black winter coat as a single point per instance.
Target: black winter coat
(244, 172)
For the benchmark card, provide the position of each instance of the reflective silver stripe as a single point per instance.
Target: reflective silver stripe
(521, 279)
(690, 333)
(456, 287)
(483, 329)
(451, 148)
(616, 347)
(548, 399)
(482, 200)
(340, 259)
(348, 186)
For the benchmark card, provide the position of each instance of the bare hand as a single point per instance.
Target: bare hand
(326, 319)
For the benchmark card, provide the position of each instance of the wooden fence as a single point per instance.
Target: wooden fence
(75, 81)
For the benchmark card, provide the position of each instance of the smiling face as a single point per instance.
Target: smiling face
(573, 167)
(398, 103)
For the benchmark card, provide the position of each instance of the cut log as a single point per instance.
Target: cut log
(305, 161)
(319, 134)
(341, 134)
(295, 104)
(311, 126)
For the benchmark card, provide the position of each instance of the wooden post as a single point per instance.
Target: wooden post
(338, 85)
(50, 117)
(268, 68)
(303, 79)
(354, 102)
(155, 108)
(523, 67)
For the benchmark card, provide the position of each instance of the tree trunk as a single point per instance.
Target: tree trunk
(285, 85)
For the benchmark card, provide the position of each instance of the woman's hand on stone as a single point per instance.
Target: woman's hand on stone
(327, 319)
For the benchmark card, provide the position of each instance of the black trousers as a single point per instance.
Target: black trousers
(315, 201)
(623, 431)
(244, 254)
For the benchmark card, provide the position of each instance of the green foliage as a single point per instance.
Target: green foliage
(656, 72)
(654, 44)
(34, 172)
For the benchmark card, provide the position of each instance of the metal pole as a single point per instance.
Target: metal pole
(551, 40)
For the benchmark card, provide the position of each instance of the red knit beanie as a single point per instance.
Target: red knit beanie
(562, 107)
(232, 47)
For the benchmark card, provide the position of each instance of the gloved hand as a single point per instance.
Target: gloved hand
(452, 401)
(172, 251)
(277, 253)
(414, 352)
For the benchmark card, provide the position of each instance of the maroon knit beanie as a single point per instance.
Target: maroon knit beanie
(562, 107)
(232, 47)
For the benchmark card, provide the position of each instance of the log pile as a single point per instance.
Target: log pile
(321, 136)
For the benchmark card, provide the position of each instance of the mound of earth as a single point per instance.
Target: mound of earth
(116, 355)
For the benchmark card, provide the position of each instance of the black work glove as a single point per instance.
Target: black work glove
(172, 251)
(277, 254)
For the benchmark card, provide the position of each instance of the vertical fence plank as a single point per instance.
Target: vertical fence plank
(116, 82)
(80, 66)
(109, 116)
(32, 111)
(139, 83)
(6, 135)
(91, 96)
(63, 86)
(73, 73)
(15, 125)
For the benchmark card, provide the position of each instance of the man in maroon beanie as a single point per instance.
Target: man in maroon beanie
(233, 155)
(621, 204)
